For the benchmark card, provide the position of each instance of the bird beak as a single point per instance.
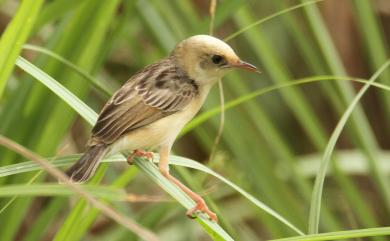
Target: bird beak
(244, 65)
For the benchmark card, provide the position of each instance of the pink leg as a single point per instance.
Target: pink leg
(139, 153)
(200, 203)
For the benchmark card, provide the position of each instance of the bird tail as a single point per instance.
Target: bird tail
(86, 166)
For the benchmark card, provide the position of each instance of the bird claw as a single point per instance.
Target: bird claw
(201, 207)
(139, 153)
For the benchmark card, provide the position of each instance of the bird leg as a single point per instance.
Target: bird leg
(200, 203)
(139, 153)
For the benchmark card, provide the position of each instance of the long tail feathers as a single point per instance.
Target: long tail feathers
(86, 166)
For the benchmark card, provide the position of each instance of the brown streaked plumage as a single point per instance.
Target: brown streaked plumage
(151, 108)
(141, 101)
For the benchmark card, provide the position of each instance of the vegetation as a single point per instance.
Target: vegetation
(303, 151)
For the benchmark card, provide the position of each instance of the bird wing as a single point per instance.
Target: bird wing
(159, 90)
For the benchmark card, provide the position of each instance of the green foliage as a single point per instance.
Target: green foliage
(14, 36)
(303, 103)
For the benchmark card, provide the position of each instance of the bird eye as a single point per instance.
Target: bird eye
(217, 59)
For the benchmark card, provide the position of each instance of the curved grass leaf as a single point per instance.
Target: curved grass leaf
(87, 113)
(315, 207)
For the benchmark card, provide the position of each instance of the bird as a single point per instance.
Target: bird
(150, 109)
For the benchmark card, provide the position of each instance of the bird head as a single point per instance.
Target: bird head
(207, 59)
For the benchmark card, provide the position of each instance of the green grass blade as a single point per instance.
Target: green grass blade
(89, 115)
(107, 193)
(315, 207)
(14, 37)
(359, 233)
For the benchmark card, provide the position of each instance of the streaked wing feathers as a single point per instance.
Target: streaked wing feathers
(159, 90)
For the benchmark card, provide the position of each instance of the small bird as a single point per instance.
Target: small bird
(151, 108)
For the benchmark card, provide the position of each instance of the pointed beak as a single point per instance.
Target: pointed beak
(244, 65)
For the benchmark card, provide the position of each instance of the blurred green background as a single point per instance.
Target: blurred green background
(271, 145)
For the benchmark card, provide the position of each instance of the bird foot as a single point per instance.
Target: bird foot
(201, 207)
(139, 153)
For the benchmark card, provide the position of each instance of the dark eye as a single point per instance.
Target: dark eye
(217, 59)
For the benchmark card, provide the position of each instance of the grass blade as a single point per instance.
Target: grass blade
(107, 193)
(359, 233)
(315, 207)
(89, 115)
(14, 37)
